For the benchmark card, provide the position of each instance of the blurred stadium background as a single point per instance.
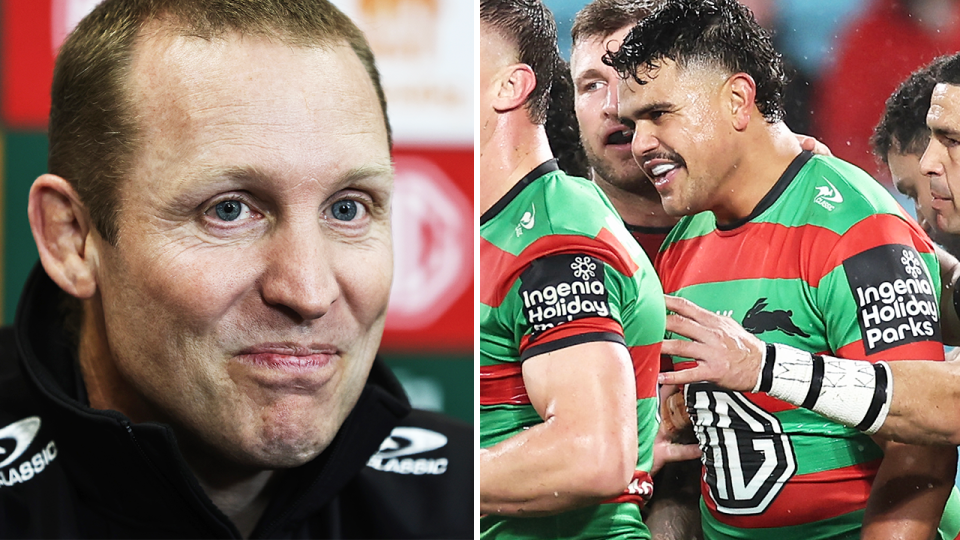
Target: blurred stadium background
(424, 49)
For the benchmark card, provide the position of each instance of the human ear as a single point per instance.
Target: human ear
(515, 84)
(742, 91)
(60, 227)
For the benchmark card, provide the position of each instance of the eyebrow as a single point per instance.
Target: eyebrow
(256, 174)
(643, 111)
(588, 74)
(944, 132)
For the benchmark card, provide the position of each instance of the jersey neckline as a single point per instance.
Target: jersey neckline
(546, 167)
(771, 197)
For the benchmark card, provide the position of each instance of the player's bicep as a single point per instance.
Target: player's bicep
(589, 386)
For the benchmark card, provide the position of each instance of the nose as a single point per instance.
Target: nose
(610, 102)
(931, 162)
(644, 141)
(300, 277)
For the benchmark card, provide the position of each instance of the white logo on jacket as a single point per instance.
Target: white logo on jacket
(409, 441)
(23, 432)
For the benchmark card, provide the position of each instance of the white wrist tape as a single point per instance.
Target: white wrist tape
(855, 393)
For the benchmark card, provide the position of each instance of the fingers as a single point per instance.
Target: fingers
(680, 452)
(812, 145)
(681, 348)
(687, 327)
(686, 308)
(686, 376)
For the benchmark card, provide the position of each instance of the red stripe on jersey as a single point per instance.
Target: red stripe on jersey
(502, 384)
(571, 329)
(638, 491)
(808, 497)
(646, 367)
(501, 269)
(878, 230)
(921, 350)
(813, 243)
(819, 250)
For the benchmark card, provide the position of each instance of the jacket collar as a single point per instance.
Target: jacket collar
(135, 472)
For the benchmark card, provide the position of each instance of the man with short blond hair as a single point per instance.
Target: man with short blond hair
(218, 212)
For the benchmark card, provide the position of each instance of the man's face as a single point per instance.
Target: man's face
(907, 178)
(941, 160)
(605, 139)
(245, 299)
(679, 136)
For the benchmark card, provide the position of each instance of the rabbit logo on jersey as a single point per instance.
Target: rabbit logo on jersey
(562, 288)
(895, 298)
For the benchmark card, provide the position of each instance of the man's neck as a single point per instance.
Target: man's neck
(636, 209)
(515, 148)
(765, 156)
(242, 495)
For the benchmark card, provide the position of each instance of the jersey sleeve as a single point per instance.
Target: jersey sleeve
(567, 299)
(879, 295)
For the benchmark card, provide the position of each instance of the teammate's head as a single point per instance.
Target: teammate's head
(941, 160)
(527, 29)
(700, 82)
(600, 26)
(902, 136)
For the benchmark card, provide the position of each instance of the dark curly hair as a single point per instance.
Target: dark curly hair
(530, 26)
(719, 32)
(903, 127)
(950, 70)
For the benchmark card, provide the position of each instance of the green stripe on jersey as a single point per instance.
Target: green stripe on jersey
(606, 521)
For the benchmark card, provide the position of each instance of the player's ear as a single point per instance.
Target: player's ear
(61, 229)
(515, 83)
(741, 90)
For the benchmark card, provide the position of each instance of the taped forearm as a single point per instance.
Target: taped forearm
(855, 393)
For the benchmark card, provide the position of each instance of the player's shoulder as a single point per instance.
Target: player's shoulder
(837, 195)
(574, 205)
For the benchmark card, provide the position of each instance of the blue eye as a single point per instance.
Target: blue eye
(345, 210)
(229, 210)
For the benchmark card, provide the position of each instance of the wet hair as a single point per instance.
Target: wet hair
(722, 33)
(949, 72)
(93, 128)
(563, 130)
(529, 25)
(600, 18)
(903, 126)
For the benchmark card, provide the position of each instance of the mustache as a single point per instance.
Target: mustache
(667, 155)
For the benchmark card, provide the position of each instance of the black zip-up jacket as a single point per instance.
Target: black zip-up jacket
(67, 470)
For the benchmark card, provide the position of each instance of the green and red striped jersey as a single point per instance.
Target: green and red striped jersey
(558, 268)
(829, 263)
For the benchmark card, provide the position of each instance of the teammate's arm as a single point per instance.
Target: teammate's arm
(909, 491)
(920, 404)
(584, 452)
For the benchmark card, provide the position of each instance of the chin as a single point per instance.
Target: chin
(279, 453)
